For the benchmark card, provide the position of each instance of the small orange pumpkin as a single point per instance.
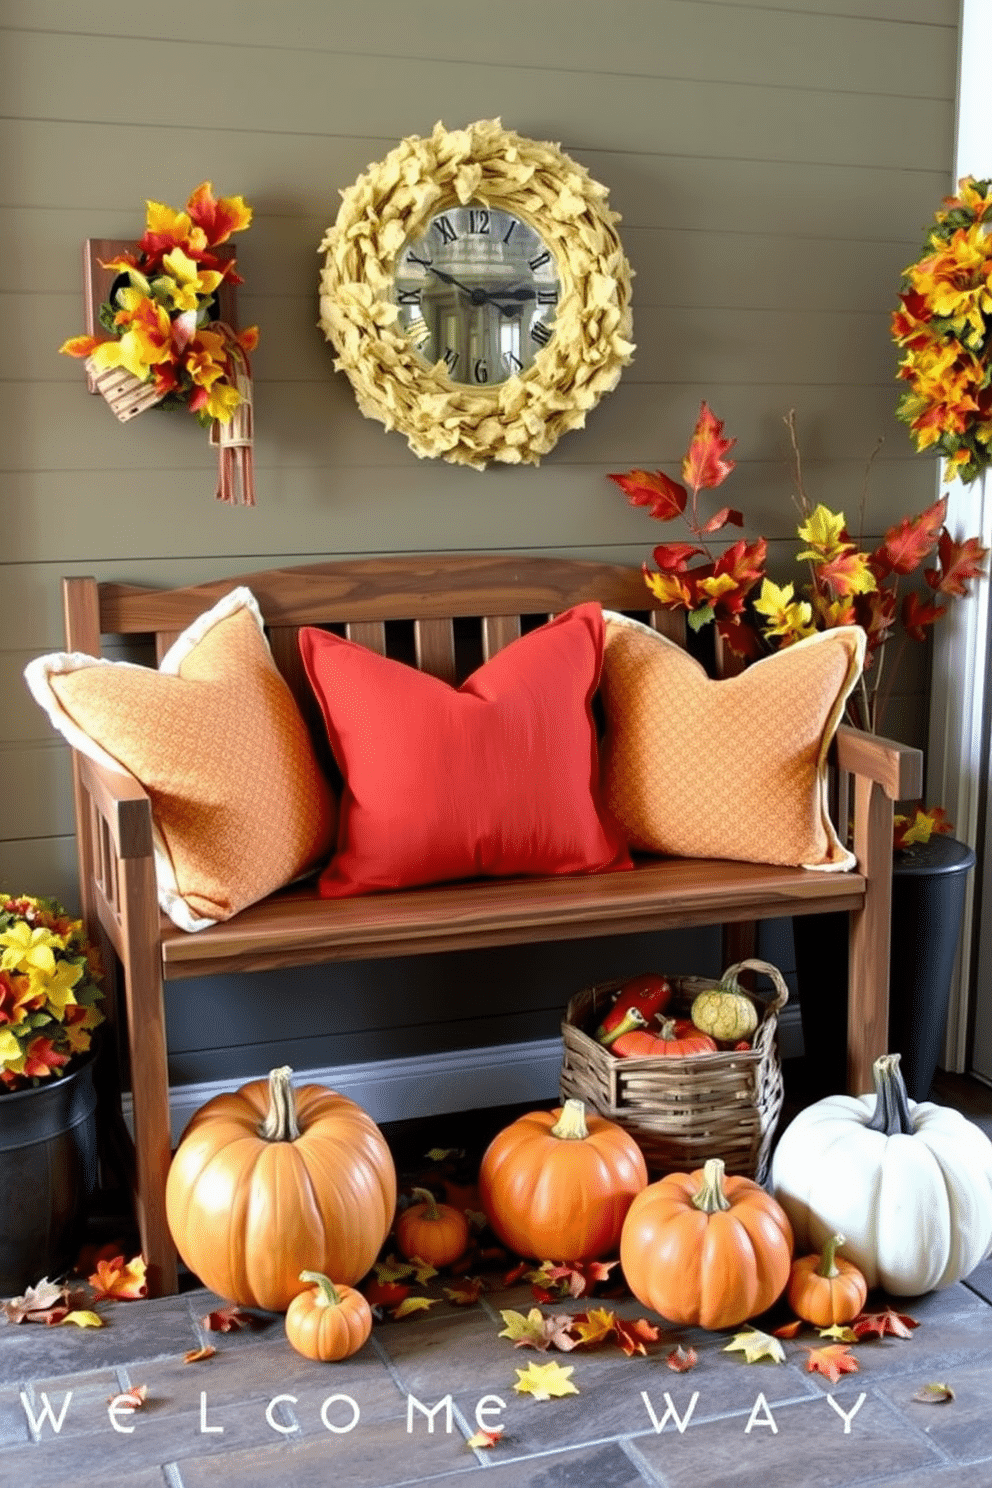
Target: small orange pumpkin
(556, 1185)
(676, 1036)
(706, 1249)
(826, 1289)
(326, 1321)
(432, 1232)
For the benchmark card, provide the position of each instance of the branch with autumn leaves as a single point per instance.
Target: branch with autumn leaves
(847, 583)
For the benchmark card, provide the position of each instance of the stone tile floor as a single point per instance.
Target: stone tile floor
(402, 1409)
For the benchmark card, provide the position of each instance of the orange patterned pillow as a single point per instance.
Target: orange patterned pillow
(239, 803)
(697, 768)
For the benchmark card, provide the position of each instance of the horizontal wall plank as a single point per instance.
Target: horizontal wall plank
(307, 426)
(660, 187)
(173, 519)
(296, 93)
(42, 866)
(852, 270)
(804, 46)
(761, 344)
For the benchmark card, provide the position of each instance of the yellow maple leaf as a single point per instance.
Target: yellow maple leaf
(598, 1323)
(822, 530)
(518, 1327)
(119, 1280)
(543, 1381)
(83, 1319)
(756, 1345)
(414, 1304)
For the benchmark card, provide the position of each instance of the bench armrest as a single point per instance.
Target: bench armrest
(897, 768)
(122, 804)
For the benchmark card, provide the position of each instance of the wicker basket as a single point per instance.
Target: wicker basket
(681, 1110)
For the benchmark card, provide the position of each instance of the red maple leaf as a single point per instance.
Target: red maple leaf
(704, 466)
(663, 497)
(917, 614)
(833, 1360)
(674, 557)
(727, 516)
(877, 1324)
(958, 562)
(905, 545)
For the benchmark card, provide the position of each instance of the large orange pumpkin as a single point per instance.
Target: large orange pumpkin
(706, 1249)
(556, 1185)
(267, 1182)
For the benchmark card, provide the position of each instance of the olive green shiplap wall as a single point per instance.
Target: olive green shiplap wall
(775, 165)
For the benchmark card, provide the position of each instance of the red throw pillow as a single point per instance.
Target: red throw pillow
(498, 777)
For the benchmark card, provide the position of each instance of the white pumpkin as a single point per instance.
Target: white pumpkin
(909, 1183)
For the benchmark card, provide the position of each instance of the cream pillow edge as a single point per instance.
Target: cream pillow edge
(36, 675)
(856, 657)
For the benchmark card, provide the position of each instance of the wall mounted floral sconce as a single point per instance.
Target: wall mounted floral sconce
(160, 317)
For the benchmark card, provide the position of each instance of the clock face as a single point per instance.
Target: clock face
(479, 291)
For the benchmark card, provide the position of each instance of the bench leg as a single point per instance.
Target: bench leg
(870, 938)
(142, 972)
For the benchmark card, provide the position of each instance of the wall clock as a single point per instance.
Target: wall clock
(477, 295)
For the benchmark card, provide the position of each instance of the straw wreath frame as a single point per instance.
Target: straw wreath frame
(517, 421)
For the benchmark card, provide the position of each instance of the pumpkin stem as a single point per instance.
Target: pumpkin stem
(632, 1018)
(667, 1030)
(429, 1202)
(326, 1285)
(711, 1195)
(571, 1124)
(891, 1115)
(280, 1124)
(828, 1262)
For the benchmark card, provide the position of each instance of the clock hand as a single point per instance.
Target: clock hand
(480, 296)
(477, 296)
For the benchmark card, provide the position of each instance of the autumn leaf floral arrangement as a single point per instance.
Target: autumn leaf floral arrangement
(163, 343)
(49, 991)
(897, 589)
(944, 329)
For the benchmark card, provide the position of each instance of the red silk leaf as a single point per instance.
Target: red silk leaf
(959, 562)
(674, 557)
(833, 1360)
(704, 466)
(878, 1324)
(905, 545)
(727, 516)
(663, 497)
(918, 614)
(739, 637)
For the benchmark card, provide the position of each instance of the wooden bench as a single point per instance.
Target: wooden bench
(438, 598)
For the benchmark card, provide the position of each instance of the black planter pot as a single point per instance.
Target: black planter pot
(48, 1172)
(928, 894)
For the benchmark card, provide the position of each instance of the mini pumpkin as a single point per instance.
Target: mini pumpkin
(556, 1185)
(675, 1036)
(909, 1183)
(327, 1321)
(825, 1289)
(267, 1180)
(725, 1012)
(706, 1249)
(432, 1232)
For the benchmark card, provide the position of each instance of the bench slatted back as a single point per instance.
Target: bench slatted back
(443, 614)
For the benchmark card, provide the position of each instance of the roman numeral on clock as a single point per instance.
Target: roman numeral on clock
(540, 333)
(409, 296)
(444, 227)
